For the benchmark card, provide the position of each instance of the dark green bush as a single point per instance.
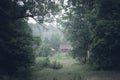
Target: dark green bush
(47, 64)
(56, 65)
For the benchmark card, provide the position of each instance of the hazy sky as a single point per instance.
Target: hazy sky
(31, 20)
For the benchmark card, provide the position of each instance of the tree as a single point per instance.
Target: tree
(15, 36)
(78, 29)
(44, 50)
(106, 31)
(16, 48)
(101, 18)
(37, 41)
(94, 24)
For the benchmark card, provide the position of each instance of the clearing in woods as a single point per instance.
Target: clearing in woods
(72, 70)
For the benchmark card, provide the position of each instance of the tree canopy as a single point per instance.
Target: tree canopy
(16, 9)
(93, 25)
(16, 49)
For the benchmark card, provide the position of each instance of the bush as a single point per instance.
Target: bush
(43, 63)
(56, 65)
(47, 64)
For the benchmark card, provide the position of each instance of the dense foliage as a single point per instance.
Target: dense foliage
(106, 32)
(15, 9)
(77, 29)
(16, 49)
(46, 63)
(93, 25)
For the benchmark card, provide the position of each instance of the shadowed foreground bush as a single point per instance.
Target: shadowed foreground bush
(47, 64)
(56, 65)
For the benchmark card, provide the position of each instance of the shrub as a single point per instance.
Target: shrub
(47, 64)
(56, 65)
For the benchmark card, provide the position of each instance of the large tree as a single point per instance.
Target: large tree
(105, 28)
(101, 18)
(77, 27)
(16, 54)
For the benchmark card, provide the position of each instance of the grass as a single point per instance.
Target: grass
(72, 70)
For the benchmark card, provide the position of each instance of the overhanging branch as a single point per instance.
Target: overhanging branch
(19, 17)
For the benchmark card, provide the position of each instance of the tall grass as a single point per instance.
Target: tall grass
(72, 70)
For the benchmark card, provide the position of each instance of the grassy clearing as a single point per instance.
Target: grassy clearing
(72, 70)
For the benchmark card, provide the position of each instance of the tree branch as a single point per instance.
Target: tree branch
(24, 16)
